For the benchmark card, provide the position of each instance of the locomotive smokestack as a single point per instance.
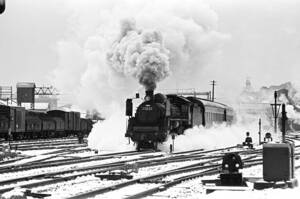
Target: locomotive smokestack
(149, 95)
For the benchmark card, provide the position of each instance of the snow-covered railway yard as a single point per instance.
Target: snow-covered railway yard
(76, 173)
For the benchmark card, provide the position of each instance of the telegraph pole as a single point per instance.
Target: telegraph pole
(213, 90)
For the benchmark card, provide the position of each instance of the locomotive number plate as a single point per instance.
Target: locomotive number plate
(147, 108)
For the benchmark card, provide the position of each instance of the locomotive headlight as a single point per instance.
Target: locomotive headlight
(237, 165)
(147, 98)
(175, 124)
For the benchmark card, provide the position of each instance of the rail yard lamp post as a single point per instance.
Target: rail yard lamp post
(275, 111)
(259, 130)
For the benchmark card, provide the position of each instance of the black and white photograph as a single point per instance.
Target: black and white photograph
(155, 99)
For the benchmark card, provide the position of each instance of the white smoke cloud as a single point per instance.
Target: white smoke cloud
(109, 135)
(140, 54)
(179, 37)
(185, 34)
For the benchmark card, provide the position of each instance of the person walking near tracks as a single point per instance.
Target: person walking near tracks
(10, 137)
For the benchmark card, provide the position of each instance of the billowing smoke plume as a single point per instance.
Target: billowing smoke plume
(158, 39)
(154, 39)
(140, 54)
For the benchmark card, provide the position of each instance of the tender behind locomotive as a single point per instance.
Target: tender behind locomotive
(160, 115)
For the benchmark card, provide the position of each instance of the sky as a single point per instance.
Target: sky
(258, 40)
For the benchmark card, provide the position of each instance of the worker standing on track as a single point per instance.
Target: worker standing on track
(268, 137)
(80, 137)
(248, 141)
(10, 138)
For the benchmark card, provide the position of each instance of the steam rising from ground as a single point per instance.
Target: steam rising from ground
(157, 39)
(219, 135)
(140, 54)
(109, 135)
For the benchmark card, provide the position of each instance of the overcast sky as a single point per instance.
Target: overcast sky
(263, 44)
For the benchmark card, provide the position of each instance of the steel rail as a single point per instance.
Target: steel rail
(188, 168)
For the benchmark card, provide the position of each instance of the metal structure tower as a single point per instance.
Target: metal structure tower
(6, 94)
(45, 90)
(26, 92)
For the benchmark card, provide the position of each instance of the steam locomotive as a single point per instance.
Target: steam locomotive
(16, 123)
(162, 115)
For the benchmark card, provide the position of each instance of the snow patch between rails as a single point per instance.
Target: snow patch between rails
(17, 193)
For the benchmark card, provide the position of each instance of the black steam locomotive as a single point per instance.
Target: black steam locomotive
(160, 115)
(16, 123)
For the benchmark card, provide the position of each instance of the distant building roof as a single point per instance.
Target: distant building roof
(25, 85)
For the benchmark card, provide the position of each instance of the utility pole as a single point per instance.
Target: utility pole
(213, 90)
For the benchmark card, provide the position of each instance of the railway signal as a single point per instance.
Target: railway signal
(275, 110)
(259, 130)
(2, 6)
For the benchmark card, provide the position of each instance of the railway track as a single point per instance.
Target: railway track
(45, 141)
(145, 161)
(42, 147)
(202, 170)
(163, 184)
(43, 144)
(178, 166)
(41, 163)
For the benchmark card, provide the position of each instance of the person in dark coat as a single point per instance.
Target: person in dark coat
(248, 141)
(268, 137)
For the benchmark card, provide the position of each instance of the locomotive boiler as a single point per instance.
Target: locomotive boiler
(162, 115)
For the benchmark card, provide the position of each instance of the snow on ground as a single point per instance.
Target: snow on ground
(91, 182)
(193, 189)
(5, 176)
(189, 189)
